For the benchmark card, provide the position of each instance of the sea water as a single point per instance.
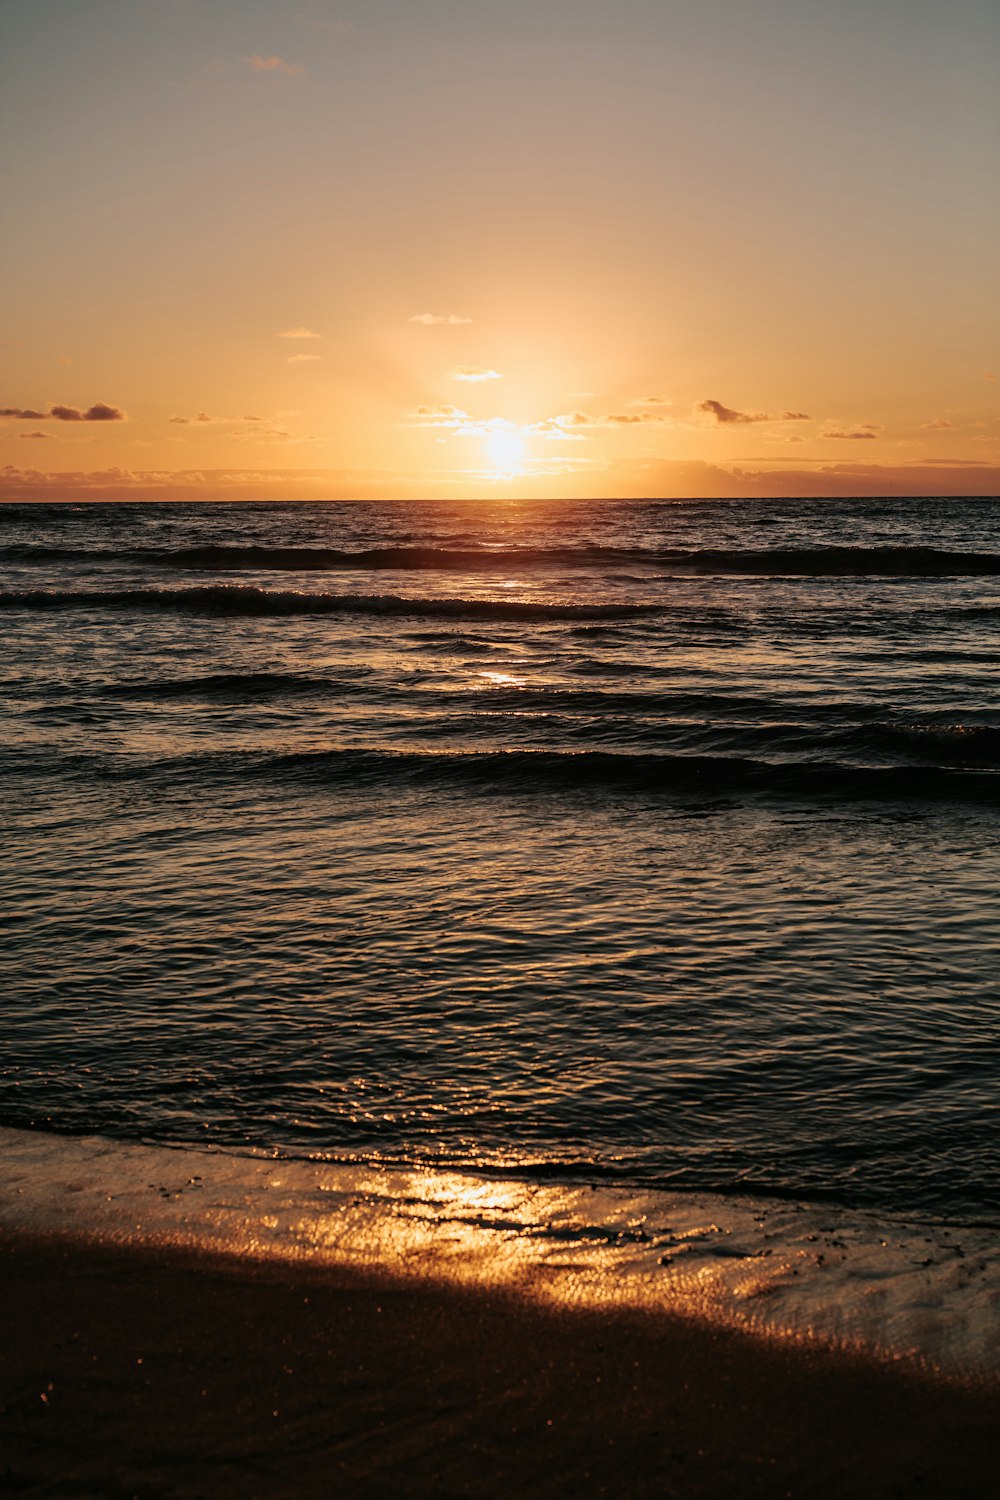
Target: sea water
(651, 845)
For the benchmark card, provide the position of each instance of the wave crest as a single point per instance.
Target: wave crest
(240, 599)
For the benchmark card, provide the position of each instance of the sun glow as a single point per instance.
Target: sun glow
(506, 451)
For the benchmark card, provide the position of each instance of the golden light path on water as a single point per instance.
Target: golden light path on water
(920, 1293)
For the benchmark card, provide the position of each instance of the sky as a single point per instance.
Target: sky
(446, 248)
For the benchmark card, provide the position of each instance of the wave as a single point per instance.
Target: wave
(557, 770)
(564, 772)
(831, 561)
(847, 562)
(253, 687)
(237, 599)
(744, 720)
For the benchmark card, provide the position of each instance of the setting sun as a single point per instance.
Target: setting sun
(506, 450)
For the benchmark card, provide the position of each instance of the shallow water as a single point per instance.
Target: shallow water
(649, 841)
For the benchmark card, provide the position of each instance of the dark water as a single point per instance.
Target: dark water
(656, 841)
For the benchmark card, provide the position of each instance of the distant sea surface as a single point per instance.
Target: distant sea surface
(646, 842)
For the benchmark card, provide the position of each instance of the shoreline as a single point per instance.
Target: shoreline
(919, 1295)
(200, 1324)
(160, 1371)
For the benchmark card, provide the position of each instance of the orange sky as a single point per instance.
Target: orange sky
(445, 247)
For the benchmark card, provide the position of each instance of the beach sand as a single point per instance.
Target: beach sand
(158, 1371)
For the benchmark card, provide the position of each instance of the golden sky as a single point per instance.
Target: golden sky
(379, 248)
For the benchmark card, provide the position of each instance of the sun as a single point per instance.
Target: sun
(506, 451)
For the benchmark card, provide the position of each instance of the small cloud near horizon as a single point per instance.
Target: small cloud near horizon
(938, 424)
(259, 64)
(475, 373)
(302, 359)
(570, 420)
(440, 414)
(99, 412)
(47, 435)
(727, 416)
(436, 320)
(298, 333)
(860, 434)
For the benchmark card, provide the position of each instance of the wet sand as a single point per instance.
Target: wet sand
(163, 1372)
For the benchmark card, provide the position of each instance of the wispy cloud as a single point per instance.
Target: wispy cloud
(440, 414)
(260, 64)
(261, 431)
(99, 412)
(47, 435)
(938, 424)
(298, 333)
(203, 416)
(651, 401)
(475, 373)
(436, 320)
(553, 430)
(573, 420)
(867, 432)
(302, 359)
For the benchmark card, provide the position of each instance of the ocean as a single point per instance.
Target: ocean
(649, 844)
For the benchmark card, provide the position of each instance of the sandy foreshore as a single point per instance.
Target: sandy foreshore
(142, 1372)
(193, 1323)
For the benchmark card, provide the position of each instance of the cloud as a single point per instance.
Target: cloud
(260, 431)
(298, 333)
(99, 412)
(436, 320)
(937, 424)
(259, 426)
(865, 432)
(576, 419)
(630, 418)
(726, 415)
(651, 401)
(475, 373)
(272, 65)
(441, 414)
(570, 420)
(35, 435)
(302, 359)
(552, 429)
